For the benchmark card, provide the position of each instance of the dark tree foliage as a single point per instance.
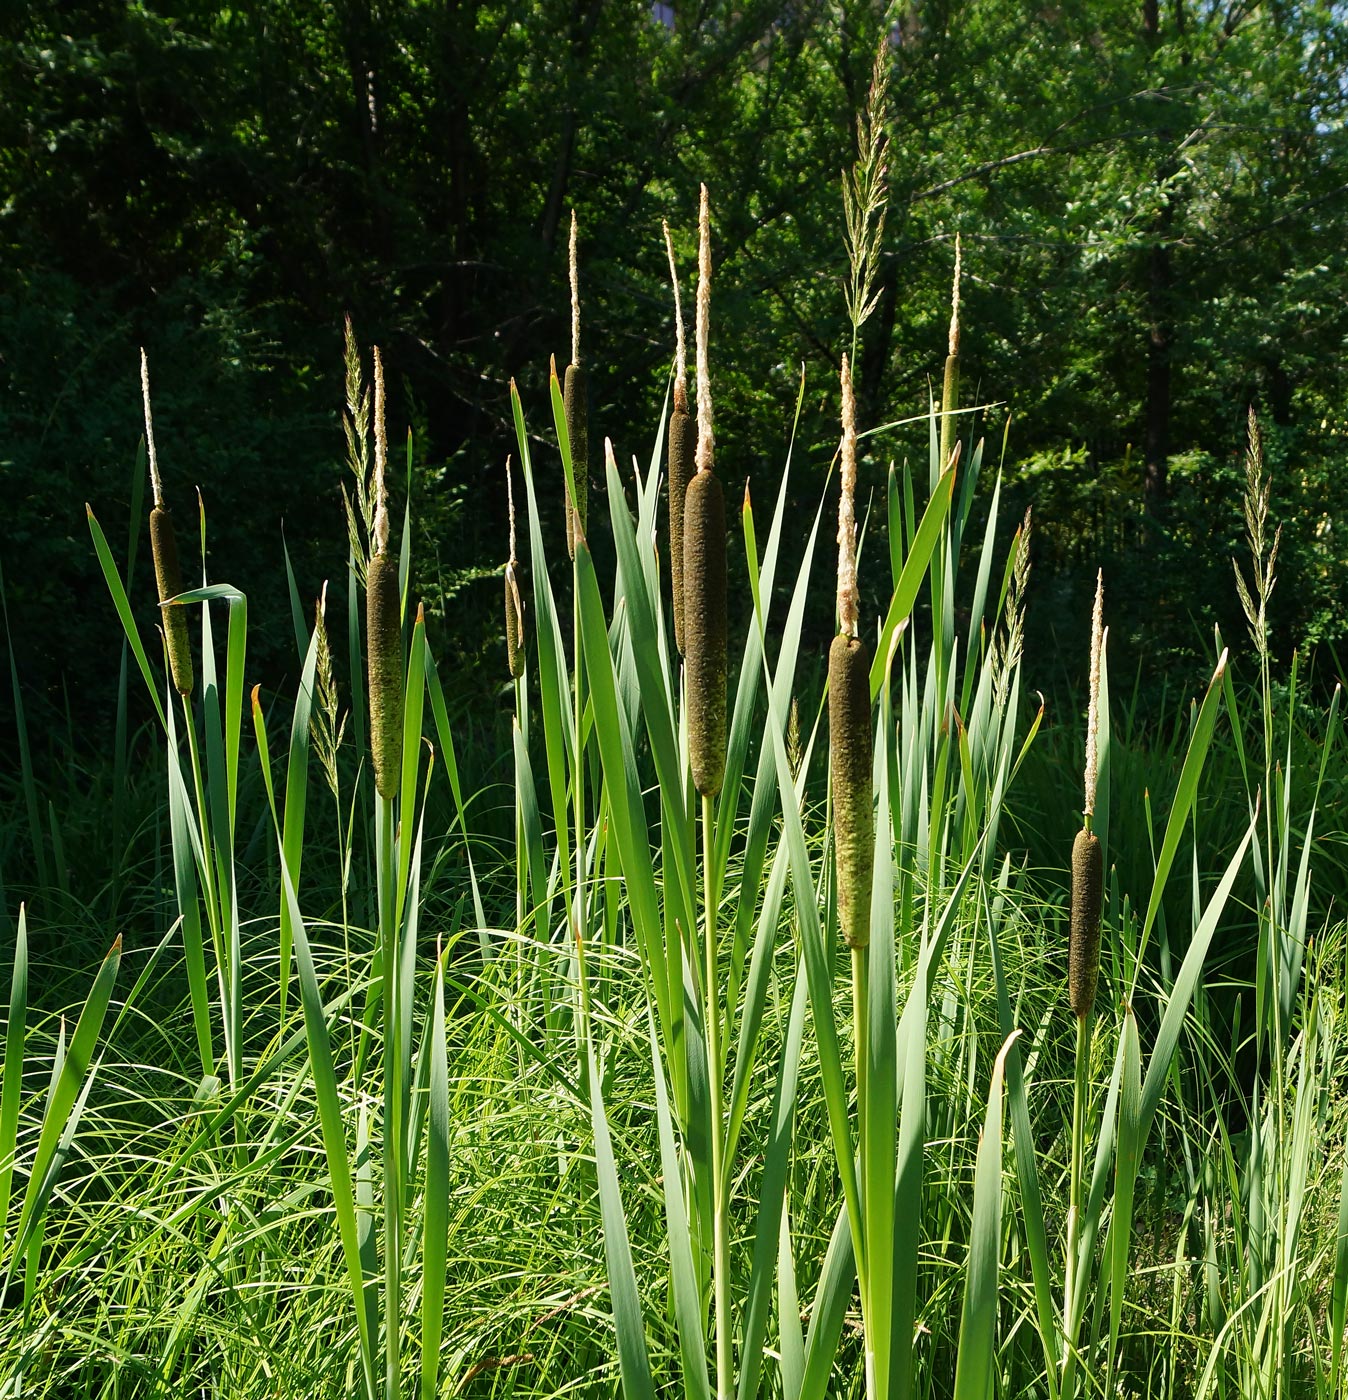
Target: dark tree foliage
(1152, 200)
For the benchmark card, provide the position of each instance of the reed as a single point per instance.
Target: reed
(950, 388)
(682, 450)
(164, 552)
(704, 564)
(575, 393)
(849, 712)
(383, 621)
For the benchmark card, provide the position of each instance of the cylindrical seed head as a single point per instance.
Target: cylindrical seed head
(384, 659)
(1088, 888)
(578, 430)
(950, 401)
(168, 578)
(704, 629)
(682, 459)
(849, 752)
(514, 624)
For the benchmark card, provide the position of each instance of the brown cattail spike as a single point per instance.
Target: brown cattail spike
(1088, 887)
(164, 551)
(168, 577)
(384, 656)
(514, 624)
(578, 430)
(682, 452)
(849, 721)
(704, 634)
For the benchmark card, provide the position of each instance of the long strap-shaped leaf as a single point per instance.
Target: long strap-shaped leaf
(65, 1090)
(363, 1289)
(978, 1326)
(633, 1360)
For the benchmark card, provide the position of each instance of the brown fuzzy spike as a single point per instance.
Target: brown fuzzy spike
(384, 659)
(682, 453)
(578, 430)
(514, 625)
(168, 577)
(704, 629)
(1088, 887)
(849, 751)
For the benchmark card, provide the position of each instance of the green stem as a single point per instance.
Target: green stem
(1079, 1094)
(715, 1076)
(861, 1029)
(393, 1094)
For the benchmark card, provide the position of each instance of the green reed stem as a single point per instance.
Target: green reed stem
(1079, 1093)
(393, 1092)
(715, 1076)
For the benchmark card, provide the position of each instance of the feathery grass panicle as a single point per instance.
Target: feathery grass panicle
(682, 449)
(514, 604)
(383, 621)
(1263, 556)
(1007, 649)
(164, 551)
(849, 710)
(704, 565)
(327, 725)
(575, 394)
(865, 197)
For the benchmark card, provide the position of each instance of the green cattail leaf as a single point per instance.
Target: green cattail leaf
(850, 762)
(974, 1366)
(169, 578)
(705, 627)
(1088, 889)
(682, 451)
(575, 395)
(384, 653)
(68, 1081)
(633, 1358)
(15, 1029)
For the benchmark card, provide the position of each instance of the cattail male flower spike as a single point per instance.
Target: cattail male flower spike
(574, 399)
(682, 450)
(1088, 859)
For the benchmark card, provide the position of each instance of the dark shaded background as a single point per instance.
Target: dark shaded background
(1152, 200)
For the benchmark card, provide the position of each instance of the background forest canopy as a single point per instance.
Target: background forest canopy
(1151, 198)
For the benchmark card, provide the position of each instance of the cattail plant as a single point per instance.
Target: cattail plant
(704, 631)
(577, 414)
(1088, 882)
(682, 449)
(849, 710)
(704, 564)
(383, 620)
(164, 549)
